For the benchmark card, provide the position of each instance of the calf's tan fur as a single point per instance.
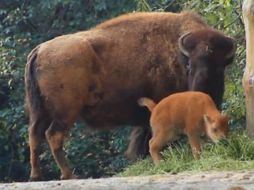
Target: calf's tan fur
(189, 113)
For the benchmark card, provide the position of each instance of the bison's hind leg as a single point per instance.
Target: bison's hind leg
(36, 136)
(138, 143)
(55, 135)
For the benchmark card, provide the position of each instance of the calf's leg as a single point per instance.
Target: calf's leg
(157, 142)
(194, 141)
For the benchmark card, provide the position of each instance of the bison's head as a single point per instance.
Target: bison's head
(207, 52)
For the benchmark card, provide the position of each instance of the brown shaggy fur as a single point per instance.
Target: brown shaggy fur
(99, 74)
(187, 113)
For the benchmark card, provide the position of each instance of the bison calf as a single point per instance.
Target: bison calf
(188, 113)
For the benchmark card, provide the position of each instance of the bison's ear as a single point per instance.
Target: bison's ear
(186, 43)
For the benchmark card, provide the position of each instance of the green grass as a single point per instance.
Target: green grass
(235, 153)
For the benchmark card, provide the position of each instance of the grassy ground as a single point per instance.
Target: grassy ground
(235, 153)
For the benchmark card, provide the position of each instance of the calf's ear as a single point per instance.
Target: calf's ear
(207, 119)
(225, 116)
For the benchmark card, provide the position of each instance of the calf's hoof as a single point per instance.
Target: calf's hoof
(157, 162)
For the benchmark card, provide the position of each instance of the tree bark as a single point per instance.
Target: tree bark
(248, 77)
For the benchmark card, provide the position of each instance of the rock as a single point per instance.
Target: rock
(243, 180)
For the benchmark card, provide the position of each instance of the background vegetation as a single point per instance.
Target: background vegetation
(25, 23)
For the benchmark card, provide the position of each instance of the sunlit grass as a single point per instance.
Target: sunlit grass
(235, 153)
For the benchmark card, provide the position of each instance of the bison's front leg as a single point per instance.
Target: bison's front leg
(139, 143)
(55, 136)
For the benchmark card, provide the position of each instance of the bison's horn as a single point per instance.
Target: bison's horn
(181, 45)
(232, 52)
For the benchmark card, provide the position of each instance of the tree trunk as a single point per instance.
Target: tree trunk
(248, 77)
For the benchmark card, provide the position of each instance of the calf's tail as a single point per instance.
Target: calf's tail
(147, 102)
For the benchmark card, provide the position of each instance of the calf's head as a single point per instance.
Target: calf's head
(216, 128)
(207, 52)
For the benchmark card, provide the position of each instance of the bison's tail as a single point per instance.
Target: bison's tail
(33, 102)
(149, 103)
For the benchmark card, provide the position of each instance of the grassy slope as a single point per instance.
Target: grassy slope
(236, 153)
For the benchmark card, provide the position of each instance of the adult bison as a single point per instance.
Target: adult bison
(100, 74)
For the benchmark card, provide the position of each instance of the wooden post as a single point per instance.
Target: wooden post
(248, 77)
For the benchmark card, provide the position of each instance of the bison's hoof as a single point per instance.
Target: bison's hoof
(131, 156)
(72, 176)
(35, 178)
